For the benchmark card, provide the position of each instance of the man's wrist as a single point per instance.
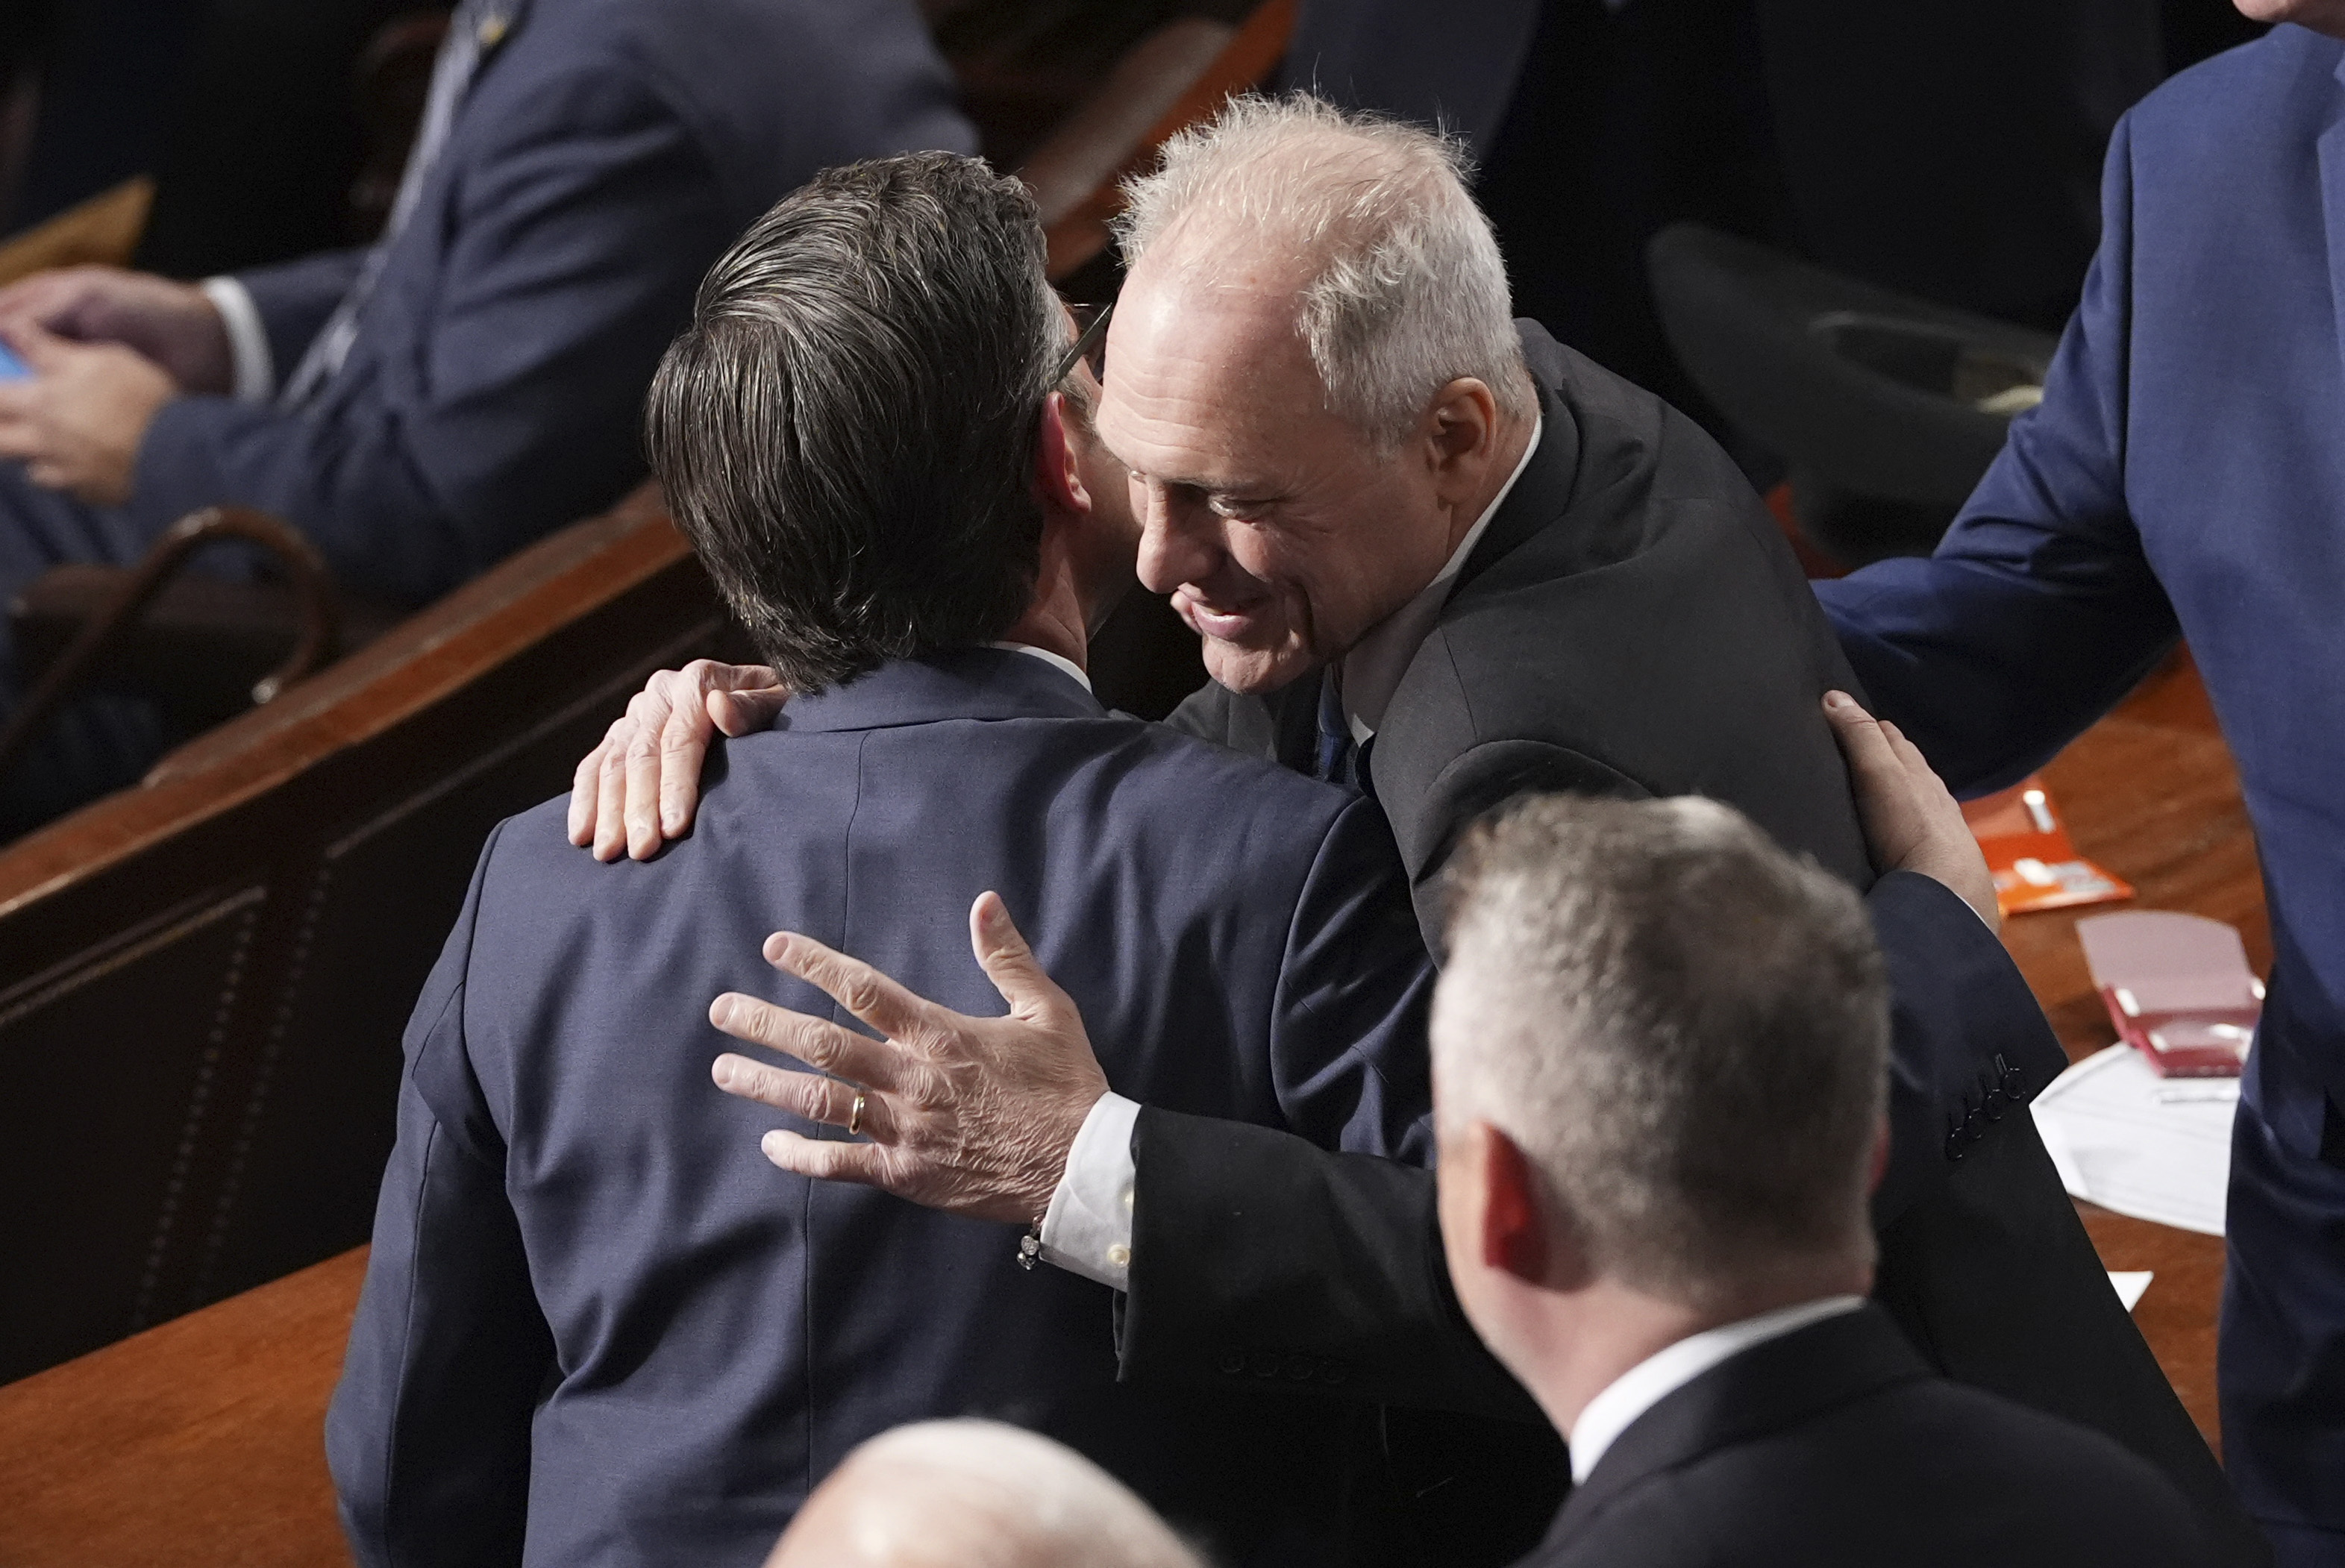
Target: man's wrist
(252, 371)
(1087, 1228)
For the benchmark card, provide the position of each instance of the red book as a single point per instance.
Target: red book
(2178, 989)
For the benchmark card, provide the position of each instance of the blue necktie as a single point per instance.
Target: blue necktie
(1342, 760)
(474, 30)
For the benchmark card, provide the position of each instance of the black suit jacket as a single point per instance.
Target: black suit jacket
(1632, 622)
(1834, 1445)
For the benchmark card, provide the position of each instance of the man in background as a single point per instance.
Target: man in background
(1658, 1046)
(2184, 479)
(422, 408)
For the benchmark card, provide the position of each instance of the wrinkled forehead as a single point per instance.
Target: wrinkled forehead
(1206, 371)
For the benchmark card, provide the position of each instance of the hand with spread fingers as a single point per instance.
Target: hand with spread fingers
(1911, 822)
(639, 786)
(971, 1116)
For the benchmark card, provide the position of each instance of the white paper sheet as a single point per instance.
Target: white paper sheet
(2156, 1149)
(2130, 1283)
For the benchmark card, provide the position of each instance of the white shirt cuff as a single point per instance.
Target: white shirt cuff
(248, 340)
(1088, 1229)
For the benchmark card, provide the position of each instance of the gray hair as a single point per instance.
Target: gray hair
(1407, 292)
(845, 430)
(976, 1494)
(1682, 1027)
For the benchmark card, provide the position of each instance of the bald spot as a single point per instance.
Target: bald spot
(974, 1494)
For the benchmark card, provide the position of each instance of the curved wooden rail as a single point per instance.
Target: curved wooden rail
(318, 612)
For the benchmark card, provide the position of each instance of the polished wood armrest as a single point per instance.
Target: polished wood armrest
(1177, 76)
(102, 230)
(204, 648)
(201, 1441)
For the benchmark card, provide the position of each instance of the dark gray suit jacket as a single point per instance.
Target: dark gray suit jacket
(1633, 623)
(598, 1328)
(1833, 1447)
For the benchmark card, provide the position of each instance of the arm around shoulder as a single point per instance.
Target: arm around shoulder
(2038, 610)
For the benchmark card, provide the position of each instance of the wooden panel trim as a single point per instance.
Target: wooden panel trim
(460, 640)
(1242, 65)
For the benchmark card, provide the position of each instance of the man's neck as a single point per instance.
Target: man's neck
(1595, 1336)
(1055, 618)
(1507, 443)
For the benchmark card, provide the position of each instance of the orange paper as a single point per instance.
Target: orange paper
(2036, 867)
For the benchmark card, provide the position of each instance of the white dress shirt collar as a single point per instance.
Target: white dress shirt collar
(1662, 1374)
(1370, 674)
(1058, 662)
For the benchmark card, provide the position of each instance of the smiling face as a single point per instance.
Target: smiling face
(1281, 533)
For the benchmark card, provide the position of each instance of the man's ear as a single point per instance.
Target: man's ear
(1514, 1238)
(1056, 477)
(1462, 429)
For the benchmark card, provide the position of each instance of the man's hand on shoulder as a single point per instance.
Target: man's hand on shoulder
(975, 1117)
(1911, 822)
(640, 788)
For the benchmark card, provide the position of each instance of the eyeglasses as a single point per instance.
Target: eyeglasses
(1090, 347)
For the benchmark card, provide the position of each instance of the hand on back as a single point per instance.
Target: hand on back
(640, 788)
(972, 1116)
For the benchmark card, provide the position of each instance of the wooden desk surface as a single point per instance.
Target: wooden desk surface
(2149, 794)
(200, 1441)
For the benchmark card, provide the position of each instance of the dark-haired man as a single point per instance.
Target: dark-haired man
(593, 1332)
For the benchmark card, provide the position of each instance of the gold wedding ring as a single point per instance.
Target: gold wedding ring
(855, 1115)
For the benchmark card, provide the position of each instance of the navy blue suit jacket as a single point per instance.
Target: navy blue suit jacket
(607, 152)
(596, 1314)
(2186, 474)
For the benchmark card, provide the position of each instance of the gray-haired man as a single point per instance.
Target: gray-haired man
(1658, 1052)
(1434, 554)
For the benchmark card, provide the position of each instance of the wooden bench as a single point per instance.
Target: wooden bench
(206, 978)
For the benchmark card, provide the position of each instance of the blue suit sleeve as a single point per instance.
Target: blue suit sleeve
(295, 298)
(2038, 612)
(506, 403)
(428, 1436)
(1348, 1037)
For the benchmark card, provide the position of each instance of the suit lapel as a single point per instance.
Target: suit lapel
(1766, 1389)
